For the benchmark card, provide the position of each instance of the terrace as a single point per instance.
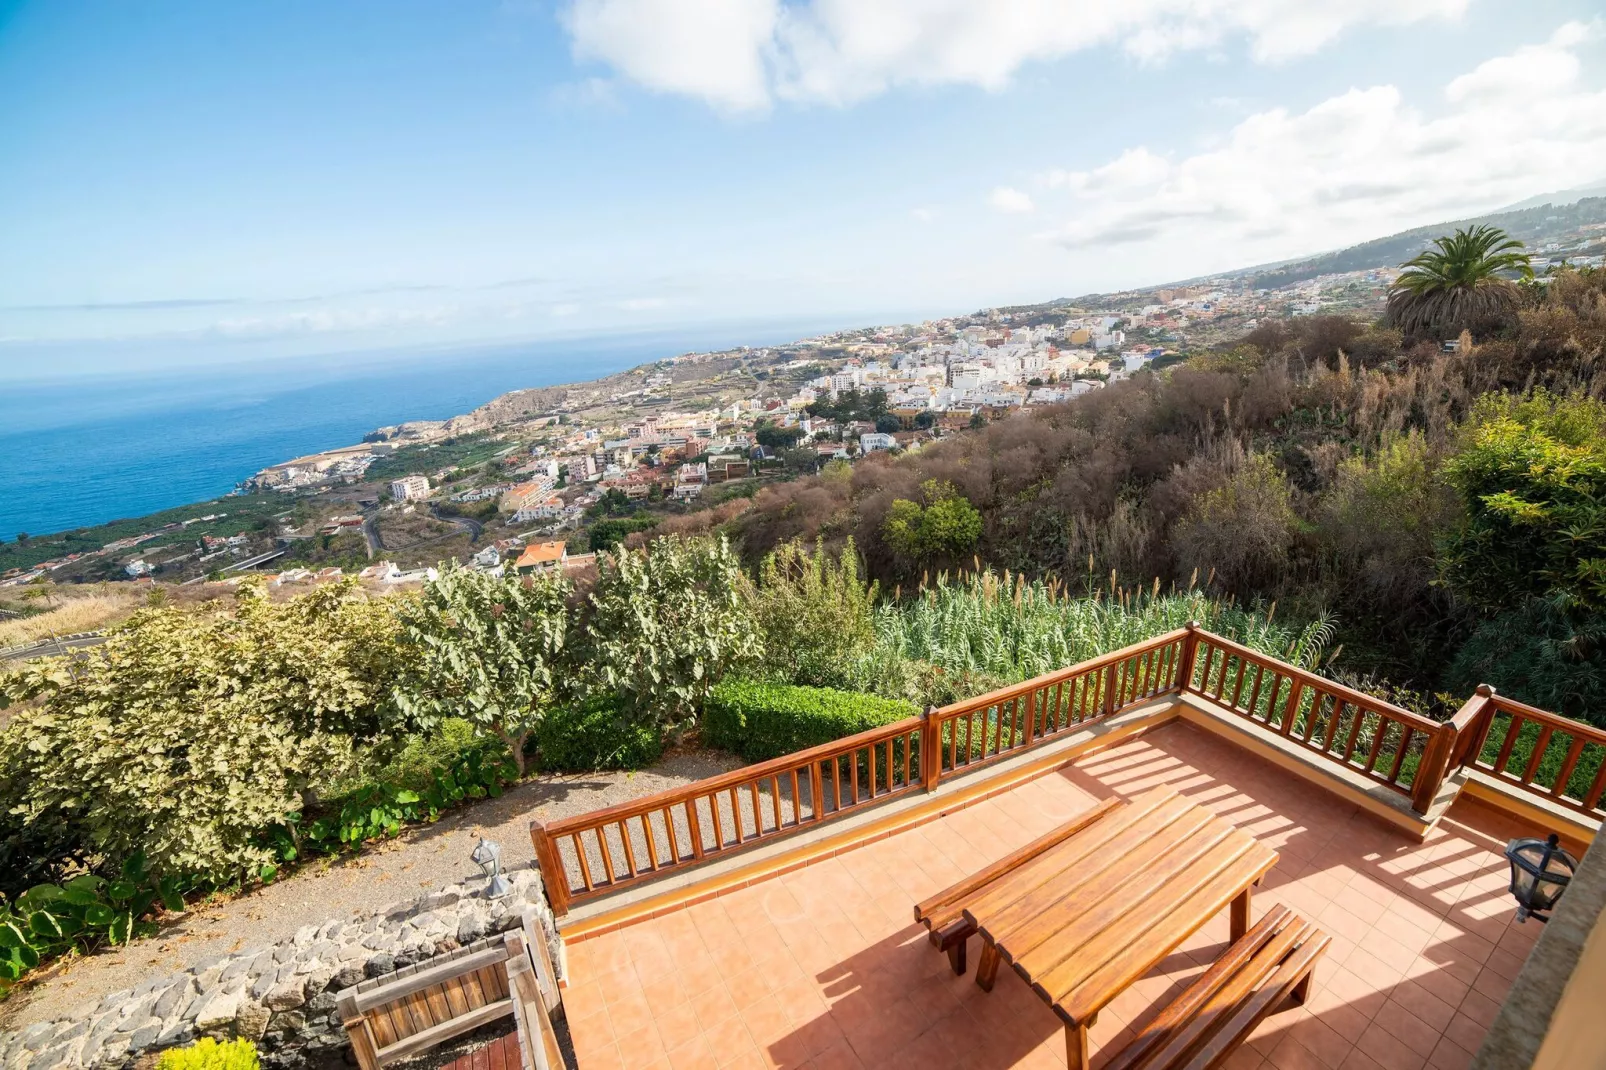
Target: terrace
(764, 918)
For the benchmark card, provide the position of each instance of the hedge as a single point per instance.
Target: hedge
(759, 720)
(597, 735)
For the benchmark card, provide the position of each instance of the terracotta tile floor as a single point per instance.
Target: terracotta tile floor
(824, 968)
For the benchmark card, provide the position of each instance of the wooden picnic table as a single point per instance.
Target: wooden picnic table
(1083, 919)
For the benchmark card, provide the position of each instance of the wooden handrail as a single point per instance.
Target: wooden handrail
(1330, 686)
(1013, 691)
(641, 838)
(1534, 713)
(739, 777)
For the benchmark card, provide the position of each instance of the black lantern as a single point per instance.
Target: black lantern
(1540, 870)
(488, 856)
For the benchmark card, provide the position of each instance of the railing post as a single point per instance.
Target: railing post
(1109, 689)
(930, 749)
(1190, 651)
(1431, 771)
(554, 878)
(1486, 722)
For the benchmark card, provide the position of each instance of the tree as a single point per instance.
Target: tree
(487, 649)
(888, 424)
(778, 438)
(925, 419)
(1532, 479)
(946, 525)
(1458, 285)
(665, 624)
(187, 733)
(22, 538)
(814, 612)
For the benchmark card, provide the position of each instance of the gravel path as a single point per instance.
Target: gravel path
(419, 860)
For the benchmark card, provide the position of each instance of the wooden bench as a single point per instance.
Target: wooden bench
(399, 1015)
(1198, 1030)
(943, 914)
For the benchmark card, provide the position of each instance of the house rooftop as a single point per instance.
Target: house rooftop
(821, 965)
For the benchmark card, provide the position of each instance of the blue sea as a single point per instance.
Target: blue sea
(85, 451)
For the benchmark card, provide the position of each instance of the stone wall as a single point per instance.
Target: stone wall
(282, 996)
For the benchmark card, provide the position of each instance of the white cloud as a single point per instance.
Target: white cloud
(923, 215)
(710, 49)
(743, 54)
(642, 304)
(1355, 166)
(1009, 199)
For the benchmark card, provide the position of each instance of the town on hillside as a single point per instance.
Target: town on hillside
(583, 466)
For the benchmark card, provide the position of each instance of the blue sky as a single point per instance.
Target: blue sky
(204, 182)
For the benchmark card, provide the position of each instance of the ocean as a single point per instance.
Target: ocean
(85, 451)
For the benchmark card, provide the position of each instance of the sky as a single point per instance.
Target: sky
(194, 182)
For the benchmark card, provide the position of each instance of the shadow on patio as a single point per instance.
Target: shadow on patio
(824, 967)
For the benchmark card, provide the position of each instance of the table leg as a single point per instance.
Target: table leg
(1076, 1047)
(1240, 915)
(987, 968)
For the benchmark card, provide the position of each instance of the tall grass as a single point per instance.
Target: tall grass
(78, 614)
(958, 636)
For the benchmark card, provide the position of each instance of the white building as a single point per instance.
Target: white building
(409, 488)
(872, 441)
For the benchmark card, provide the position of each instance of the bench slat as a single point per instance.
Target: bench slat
(1142, 850)
(924, 911)
(1215, 1014)
(1124, 964)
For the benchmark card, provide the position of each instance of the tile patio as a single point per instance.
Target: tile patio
(824, 968)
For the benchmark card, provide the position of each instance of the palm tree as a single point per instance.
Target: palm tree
(1458, 284)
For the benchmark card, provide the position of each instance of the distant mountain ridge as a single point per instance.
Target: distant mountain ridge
(1533, 221)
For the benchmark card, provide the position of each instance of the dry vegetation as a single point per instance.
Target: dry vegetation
(70, 609)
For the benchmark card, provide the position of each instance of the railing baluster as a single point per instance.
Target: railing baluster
(1332, 722)
(1513, 727)
(630, 851)
(585, 868)
(1377, 742)
(1574, 751)
(1399, 757)
(1538, 753)
(694, 828)
(1254, 693)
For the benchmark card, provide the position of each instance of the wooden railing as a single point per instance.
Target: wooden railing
(609, 849)
(588, 855)
(984, 728)
(1383, 741)
(1540, 752)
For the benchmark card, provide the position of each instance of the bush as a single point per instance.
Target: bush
(185, 734)
(597, 735)
(208, 1054)
(814, 613)
(759, 721)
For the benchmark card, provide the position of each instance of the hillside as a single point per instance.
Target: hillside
(1539, 221)
(1307, 465)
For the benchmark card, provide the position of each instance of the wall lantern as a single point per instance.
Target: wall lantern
(488, 856)
(1540, 870)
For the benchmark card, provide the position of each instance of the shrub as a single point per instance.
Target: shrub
(814, 612)
(208, 1054)
(665, 625)
(759, 720)
(489, 650)
(599, 734)
(185, 734)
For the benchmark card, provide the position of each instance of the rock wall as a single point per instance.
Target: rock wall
(282, 996)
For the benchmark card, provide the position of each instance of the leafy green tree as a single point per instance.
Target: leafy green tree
(187, 733)
(888, 424)
(608, 534)
(487, 649)
(666, 623)
(1458, 285)
(1532, 478)
(814, 611)
(778, 438)
(925, 420)
(946, 525)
